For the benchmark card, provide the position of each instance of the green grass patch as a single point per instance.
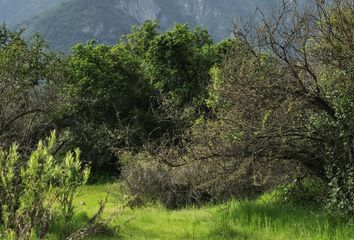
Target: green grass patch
(256, 220)
(235, 220)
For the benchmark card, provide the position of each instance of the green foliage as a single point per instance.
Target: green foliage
(231, 220)
(148, 86)
(179, 63)
(336, 80)
(341, 191)
(70, 180)
(287, 91)
(30, 190)
(220, 117)
(110, 101)
(213, 100)
(305, 192)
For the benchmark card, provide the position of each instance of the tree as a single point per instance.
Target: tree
(179, 64)
(288, 93)
(147, 87)
(29, 79)
(109, 101)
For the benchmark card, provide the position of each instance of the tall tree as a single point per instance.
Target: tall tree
(139, 90)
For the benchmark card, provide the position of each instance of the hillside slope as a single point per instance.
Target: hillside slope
(80, 21)
(74, 21)
(13, 12)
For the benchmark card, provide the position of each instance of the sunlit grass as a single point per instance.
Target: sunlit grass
(235, 220)
(256, 220)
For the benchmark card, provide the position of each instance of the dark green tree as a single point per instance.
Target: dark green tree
(109, 101)
(148, 87)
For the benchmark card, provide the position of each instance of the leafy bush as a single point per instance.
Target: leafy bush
(30, 189)
(302, 192)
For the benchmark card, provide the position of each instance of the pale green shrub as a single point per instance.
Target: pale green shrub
(30, 188)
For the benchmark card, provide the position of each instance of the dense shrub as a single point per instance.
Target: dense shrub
(282, 102)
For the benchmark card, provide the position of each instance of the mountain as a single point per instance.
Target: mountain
(80, 21)
(13, 12)
(66, 22)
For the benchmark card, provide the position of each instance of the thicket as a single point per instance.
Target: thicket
(184, 120)
(283, 107)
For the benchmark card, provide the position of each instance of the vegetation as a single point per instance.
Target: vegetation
(29, 81)
(265, 118)
(295, 95)
(260, 219)
(29, 190)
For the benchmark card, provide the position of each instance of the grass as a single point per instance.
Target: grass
(257, 220)
(235, 220)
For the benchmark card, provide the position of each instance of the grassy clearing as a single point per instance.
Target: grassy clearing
(235, 220)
